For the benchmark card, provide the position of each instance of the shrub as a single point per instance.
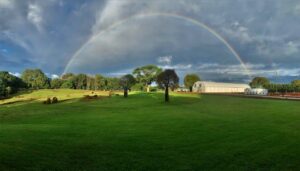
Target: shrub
(54, 100)
(48, 101)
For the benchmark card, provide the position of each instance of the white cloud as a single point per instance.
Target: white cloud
(165, 60)
(53, 76)
(6, 4)
(34, 15)
(292, 48)
(17, 74)
(239, 32)
(177, 66)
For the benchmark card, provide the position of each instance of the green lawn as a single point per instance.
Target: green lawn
(144, 133)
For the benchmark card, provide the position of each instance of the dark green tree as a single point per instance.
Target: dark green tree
(147, 74)
(80, 81)
(99, 82)
(296, 83)
(10, 83)
(56, 83)
(127, 81)
(260, 82)
(35, 78)
(167, 79)
(67, 76)
(68, 84)
(190, 79)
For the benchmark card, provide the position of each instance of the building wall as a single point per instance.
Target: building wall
(213, 87)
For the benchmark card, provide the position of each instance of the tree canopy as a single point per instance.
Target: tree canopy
(190, 79)
(167, 79)
(260, 82)
(126, 82)
(35, 78)
(147, 74)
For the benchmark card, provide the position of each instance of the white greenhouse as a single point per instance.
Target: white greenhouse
(215, 87)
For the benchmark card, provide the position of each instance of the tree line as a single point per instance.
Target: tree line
(140, 79)
(262, 82)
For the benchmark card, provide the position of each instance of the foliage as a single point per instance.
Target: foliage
(54, 100)
(80, 81)
(138, 87)
(126, 82)
(9, 84)
(68, 76)
(100, 82)
(68, 84)
(259, 82)
(147, 74)
(167, 79)
(283, 88)
(35, 78)
(190, 79)
(296, 83)
(56, 83)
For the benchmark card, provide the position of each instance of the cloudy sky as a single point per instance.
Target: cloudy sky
(114, 36)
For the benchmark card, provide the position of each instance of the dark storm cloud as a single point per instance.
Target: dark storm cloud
(264, 33)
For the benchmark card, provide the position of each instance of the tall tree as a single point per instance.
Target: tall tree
(67, 76)
(296, 83)
(99, 82)
(167, 79)
(259, 82)
(190, 79)
(80, 81)
(35, 78)
(90, 84)
(56, 83)
(9, 83)
(147, 74)
(126, 82)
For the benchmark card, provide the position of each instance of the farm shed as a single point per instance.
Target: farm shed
(217, 87)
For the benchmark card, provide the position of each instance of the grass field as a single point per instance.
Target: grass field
(144, 133)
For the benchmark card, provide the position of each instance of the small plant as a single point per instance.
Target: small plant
(54, 100)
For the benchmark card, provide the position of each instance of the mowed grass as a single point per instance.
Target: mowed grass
(42, 95)
(192, 132)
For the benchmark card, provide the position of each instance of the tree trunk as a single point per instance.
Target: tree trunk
(191, 89)
(125, 92)
(167, 94)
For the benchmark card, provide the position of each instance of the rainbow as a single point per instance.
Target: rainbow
(172, 15)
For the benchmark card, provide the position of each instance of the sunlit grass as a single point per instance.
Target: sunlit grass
(142, 132)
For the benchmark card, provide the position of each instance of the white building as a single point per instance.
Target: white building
(214, 87)
(256, 91)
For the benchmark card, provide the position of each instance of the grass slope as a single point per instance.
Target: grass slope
(144, 133)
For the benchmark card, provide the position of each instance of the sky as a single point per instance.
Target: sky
(112, 37)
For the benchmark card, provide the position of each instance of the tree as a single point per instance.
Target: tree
(126, 82)
(147, 74)
(80, 81)
(68, 84)
(99, 82)
(296, 83)
(9, 83)
(112, 83)
(259, 82)
(2, 88)
(167, 79)
(190, 79)
(90, 84)
(56, 83)
(67, 76)
(35, 78)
